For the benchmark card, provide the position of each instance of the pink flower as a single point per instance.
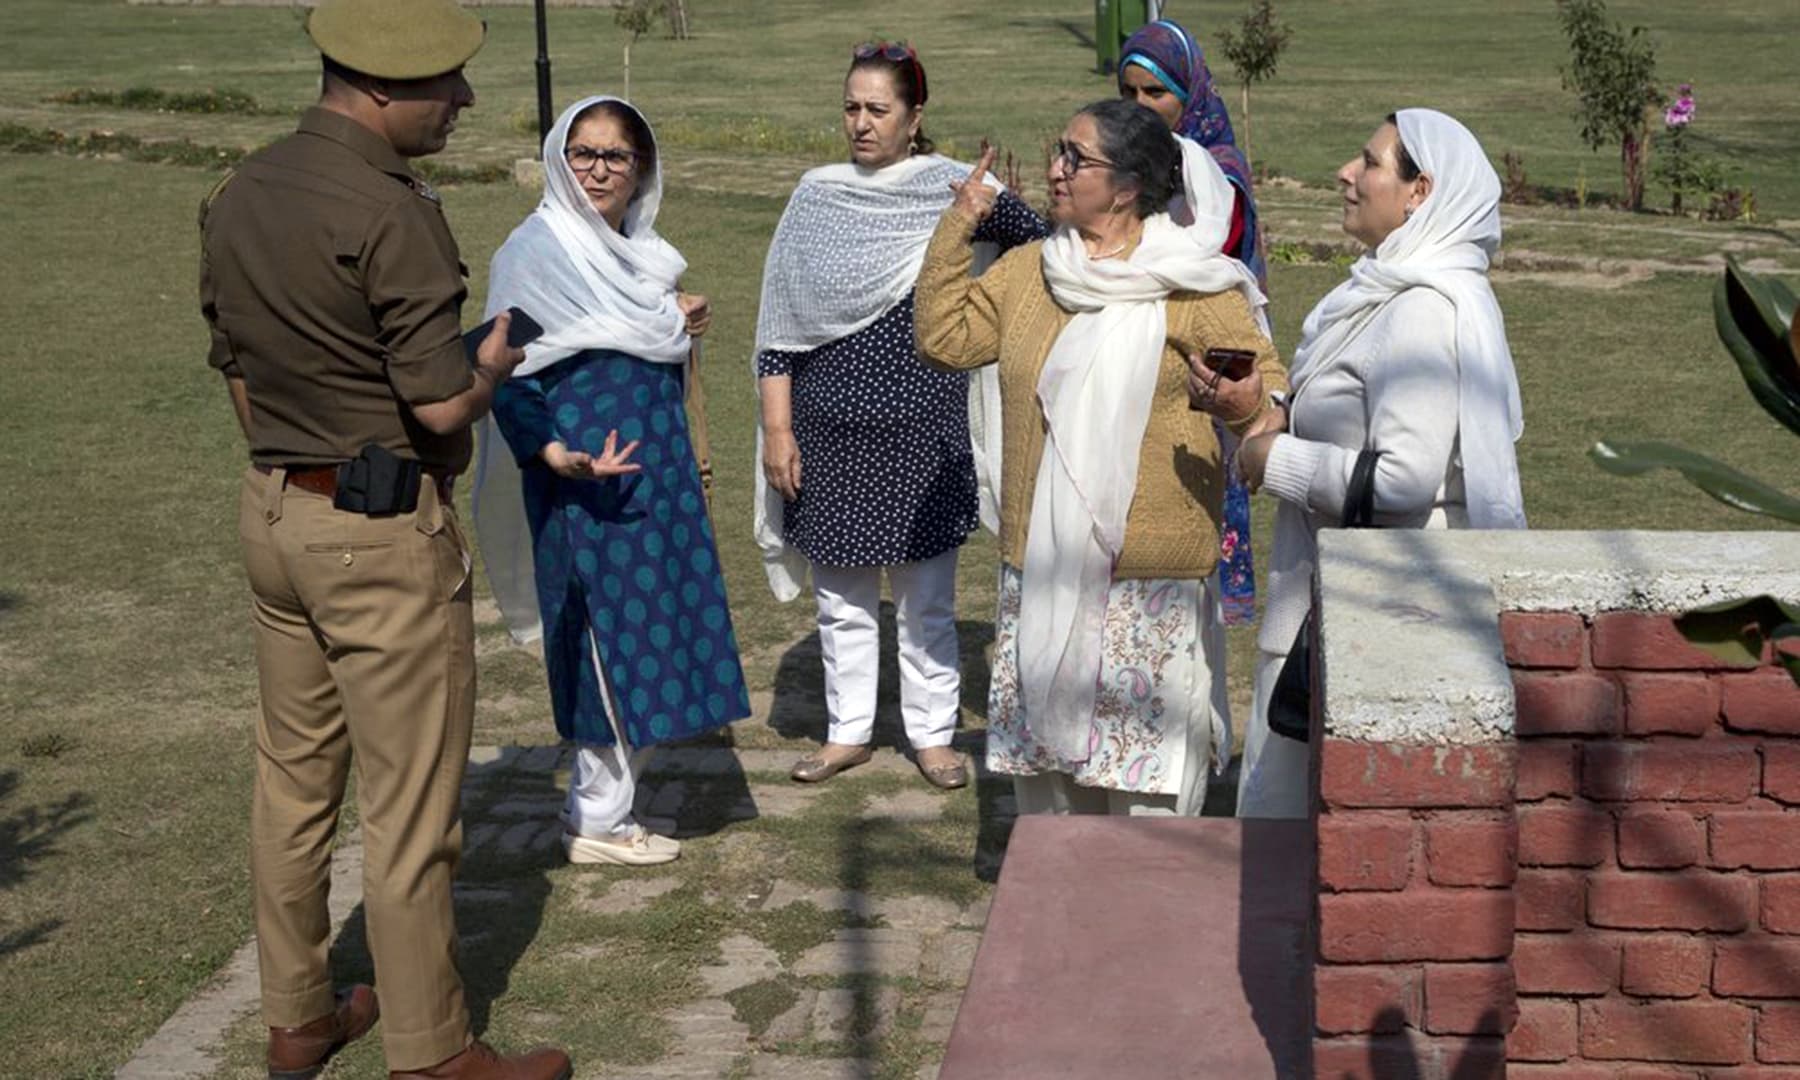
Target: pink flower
(1681, 114)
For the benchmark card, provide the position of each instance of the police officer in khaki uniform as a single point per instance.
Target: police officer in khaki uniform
(333, 290)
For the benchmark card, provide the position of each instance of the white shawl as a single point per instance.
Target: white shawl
(1445, 246)
(1096, 390)
(590, 288)
(847, 249)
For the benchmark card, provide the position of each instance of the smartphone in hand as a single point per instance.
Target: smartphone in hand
(523, 331)
(1235, 363)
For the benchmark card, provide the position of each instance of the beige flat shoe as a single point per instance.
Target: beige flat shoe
(639, 847)
(816, 768)
(947, 775)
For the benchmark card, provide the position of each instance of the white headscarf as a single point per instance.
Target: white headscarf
(1444, 246)
(590, 287)
(847, 249)
(1096, 390)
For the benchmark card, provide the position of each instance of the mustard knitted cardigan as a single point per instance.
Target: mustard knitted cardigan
(1007, 315)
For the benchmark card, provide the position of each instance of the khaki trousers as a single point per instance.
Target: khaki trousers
(365, 650)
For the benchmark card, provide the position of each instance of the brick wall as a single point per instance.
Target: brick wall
(1615, 894)
(1658, 890)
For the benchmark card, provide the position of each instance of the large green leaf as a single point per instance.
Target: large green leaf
(1717, 479)
(1754, 317)
(1736, 630)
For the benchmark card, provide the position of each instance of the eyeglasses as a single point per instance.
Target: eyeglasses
(887, 50)
(583, 159)
(1073, 160)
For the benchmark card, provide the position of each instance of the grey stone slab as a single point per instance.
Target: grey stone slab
(835, 1014)
(529, 836)
(863, 952)
(795, 1023)
(539, 759)
(785, 892)
(976, 914)
(788, 1067)
(668, 799)
(477, 837)
(526, 808)
(940, 1017)
(621, 896)
(949, 956)
(924, 913)
(911, 805)
(742, 961)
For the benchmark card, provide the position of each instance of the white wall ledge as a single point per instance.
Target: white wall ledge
(1410, 619)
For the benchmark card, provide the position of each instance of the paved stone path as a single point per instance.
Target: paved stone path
(928, 942)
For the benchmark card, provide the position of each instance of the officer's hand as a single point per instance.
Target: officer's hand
(698, 310)
(575, 465)
(495, 356)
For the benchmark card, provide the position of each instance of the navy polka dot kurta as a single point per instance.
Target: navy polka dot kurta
(627, 569)
(886, 473)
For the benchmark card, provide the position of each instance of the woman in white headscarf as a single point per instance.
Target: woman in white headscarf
(868, 461)
(1407, 358)
(610, 559)
(1107, 688)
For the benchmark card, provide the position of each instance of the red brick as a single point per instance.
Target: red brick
(1578, 1071)
(1676, 771)
(1546, 1031)
(1781, 772)
(1630, 639)
(1471, 848)
(1548, 767)
(1760, 840)
(1778, 1034)
(1469, 999)
(1766, 701)
(1757, 967)
(1362, 998)
(1696, 1032)
(1549, 899)
(1781, 903)
(1544, 639)
(1684, 900)
(1359, 774)
(1364, 850)
(1418, 924)
(1360, 1057)
(1565, 704)
(1664, 965)
(1571, 965)
(1654, 839)
(1564, 834)
(1676, 704)
(1753, 1072)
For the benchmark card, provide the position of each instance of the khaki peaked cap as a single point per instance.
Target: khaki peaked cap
(396, 39)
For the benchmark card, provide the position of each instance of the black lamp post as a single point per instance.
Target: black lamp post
(543, 76)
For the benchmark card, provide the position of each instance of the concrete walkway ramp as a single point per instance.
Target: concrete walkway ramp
(1143, 948)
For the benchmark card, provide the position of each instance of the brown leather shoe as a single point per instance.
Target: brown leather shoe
(300, 1053)
(828, 762)
(479, 1062)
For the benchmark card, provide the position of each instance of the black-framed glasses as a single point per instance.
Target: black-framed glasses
(1073, 160)
(887, 50)
(583, 159)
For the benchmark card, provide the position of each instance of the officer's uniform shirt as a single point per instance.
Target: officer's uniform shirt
(333, 288)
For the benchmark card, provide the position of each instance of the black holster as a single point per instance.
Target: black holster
(378, 481)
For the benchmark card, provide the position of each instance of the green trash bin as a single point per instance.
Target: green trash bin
(1114, 21)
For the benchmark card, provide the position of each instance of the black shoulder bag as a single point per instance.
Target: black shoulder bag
(1290, 703)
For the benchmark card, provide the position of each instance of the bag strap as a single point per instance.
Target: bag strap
(696, 410)
(1359, 501)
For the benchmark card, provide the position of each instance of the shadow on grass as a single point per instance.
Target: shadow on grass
(28, 835)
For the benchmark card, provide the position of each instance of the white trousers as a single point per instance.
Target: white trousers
(603, 781)
(1058, 793)
(1274, 779)
(850, 638)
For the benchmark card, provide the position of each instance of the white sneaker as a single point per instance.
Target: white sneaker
(639, 847)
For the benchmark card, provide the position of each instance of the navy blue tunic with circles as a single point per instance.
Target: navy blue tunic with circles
(886, 474)
(627, 568)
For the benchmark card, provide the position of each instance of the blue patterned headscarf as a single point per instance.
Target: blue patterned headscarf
(1169, 52)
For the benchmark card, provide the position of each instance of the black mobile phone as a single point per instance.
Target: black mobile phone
(523, 331)
(1235, 363)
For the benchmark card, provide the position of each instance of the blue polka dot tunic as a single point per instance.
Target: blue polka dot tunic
(627, 569)
(886, 473)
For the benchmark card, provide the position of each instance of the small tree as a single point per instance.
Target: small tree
(636, 17)
(1613, 74)
(675, 13)
(1254, 49)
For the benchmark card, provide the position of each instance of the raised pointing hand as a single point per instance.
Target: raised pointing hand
(973, 196)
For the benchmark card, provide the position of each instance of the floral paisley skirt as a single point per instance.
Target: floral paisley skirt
(1161, 716)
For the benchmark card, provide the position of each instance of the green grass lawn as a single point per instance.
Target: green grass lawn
(126, 680)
